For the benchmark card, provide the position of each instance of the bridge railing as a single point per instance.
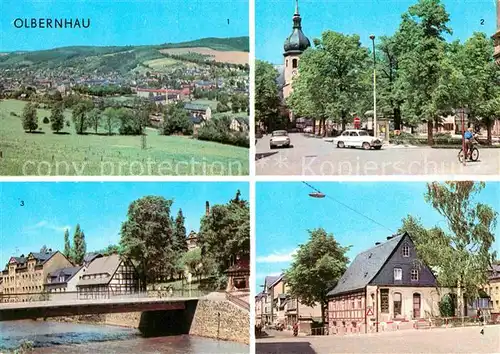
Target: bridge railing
(106, 294)
(238, 301)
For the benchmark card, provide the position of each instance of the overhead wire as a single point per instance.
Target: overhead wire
(348, 207)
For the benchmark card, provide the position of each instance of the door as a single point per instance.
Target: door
(354, 139)
(416, 305)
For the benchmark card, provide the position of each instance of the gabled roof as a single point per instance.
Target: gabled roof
(366, 266)
(242, 120)
(104, 265)
(271, 280)
(89, 257)
(69, 272)
(195, 107)
(42, 257)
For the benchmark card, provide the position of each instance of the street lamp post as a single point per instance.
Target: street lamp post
(375, 130)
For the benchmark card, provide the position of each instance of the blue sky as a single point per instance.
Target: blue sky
(274, 20)
(122, 22)
(100, 208)
(284, 213)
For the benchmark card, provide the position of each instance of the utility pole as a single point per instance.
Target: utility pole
(375, 130)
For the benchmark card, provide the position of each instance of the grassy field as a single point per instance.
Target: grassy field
(69, 154)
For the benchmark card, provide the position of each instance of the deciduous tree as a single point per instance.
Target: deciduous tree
(29, 117)
(332, 79)
(316, 268)
(147, 237)
(57, 117)
(225, 232)
(461, 254)
(267, 100)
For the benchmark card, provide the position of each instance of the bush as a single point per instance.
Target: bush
(218, 130)
(46, 120)
(447, 306)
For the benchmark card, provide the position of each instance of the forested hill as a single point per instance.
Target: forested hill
(239, 44)
(93, 57)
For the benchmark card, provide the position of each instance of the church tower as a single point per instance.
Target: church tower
(294, 46)
(496, 36)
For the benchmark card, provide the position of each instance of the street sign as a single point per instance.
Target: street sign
(357, 122)
(369, 312)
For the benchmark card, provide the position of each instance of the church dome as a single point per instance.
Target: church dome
(297, 42)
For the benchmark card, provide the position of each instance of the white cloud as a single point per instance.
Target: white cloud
(47, 225)
(277, 257)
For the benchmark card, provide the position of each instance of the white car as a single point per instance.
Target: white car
(357, 138)
(279, 138)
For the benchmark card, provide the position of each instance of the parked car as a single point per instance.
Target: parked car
(357, 138)
(279, 138)
(308, 129)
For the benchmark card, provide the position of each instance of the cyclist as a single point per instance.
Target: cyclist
(469, 142)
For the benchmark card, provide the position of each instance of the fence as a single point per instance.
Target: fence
(102, 294)
(237, 301)
(319, 331)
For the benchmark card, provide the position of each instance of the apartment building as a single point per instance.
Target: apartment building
(24, 277)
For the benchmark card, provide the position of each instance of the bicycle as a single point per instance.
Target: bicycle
(473, 154)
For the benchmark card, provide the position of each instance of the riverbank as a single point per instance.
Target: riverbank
(61, 338)
(215, 318)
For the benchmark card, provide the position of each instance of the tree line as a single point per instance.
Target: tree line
(421, 77)
(87, 114)
(156, 241)
(460, 255)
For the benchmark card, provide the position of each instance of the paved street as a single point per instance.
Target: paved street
(315, 157)
(451, 340)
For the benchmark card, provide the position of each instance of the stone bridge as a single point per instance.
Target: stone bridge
(56, 308)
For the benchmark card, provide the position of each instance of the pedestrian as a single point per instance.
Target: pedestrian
(480, 318)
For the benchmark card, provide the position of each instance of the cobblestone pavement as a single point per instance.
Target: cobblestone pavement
(315, 157)
(437, 340)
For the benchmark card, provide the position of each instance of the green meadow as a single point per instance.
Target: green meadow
(45, 153)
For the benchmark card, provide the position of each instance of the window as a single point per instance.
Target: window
(414, 274)
(398, 274)
(360, 303)
(353, 134)
(363, 133)
(406, 251)
(384, 300)
(345, 134)
(397, 300)
(294, 63)
(286, 63)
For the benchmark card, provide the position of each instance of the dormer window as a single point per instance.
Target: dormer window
(406, 251)
(414, 274)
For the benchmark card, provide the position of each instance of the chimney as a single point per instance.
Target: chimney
(377, 243)
(207, 208)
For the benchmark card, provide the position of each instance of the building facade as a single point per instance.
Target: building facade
(493, 290)
(61, 283)
(107, 277)
(24, 277)
(293, 47)
(386, 287)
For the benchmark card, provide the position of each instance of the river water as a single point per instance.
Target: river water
(63, 337)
